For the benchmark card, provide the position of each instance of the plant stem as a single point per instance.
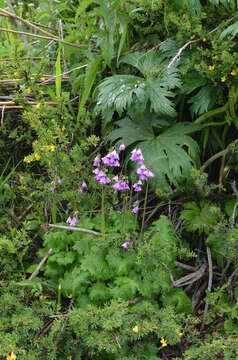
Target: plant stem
(123, 214)
(145, 203)
(103, 215)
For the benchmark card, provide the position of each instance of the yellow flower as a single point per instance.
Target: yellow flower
(38, 105)
(28, 90)
(16, 74)
(12, 356)
(223, 78)
(52, 148)
(135, 329)
(163, 342)
(233, 73)
(204, 39)
(37, 156)
(211, 67)
(63, 128)
(42, 78)
(27, 159)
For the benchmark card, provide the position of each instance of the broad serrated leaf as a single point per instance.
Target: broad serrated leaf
(170, 155)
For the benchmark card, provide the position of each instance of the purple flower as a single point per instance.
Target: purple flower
(96, 161)
(52, 188)
(135, 209)
(144, 173)
(72, 221)
(120, 185)
(84, 185)
(137, 186)
(136, 155)
(80, 191)
(125, 244)
(122, 147)
(96, 171)
(101, 177)
(111, 159)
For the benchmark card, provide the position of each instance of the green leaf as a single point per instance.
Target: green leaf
(170, 154)
(120, 92)
(82, 7)
(203, 100)
(90, 77)
(123, 25)
(230, 30)
(200, 218)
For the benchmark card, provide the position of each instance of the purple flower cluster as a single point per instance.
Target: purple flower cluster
(120, 185)
(72, 221)
(136, 155)
(101, 177)
(144, 173)
(82, 187)
(111, 159)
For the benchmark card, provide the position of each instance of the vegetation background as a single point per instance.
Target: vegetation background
(143, 275)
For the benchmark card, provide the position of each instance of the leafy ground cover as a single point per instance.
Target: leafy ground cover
(118, 179)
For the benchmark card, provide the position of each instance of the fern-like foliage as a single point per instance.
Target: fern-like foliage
(154, 86)
(200, 218)
(169, 151)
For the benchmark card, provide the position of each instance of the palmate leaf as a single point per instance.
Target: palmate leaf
(170, 155)
(120, 92)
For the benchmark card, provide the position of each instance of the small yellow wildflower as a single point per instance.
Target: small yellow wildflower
(135, 329)
(223, 78)
(211, 67)
(42, 78)
(28, 90)
(204, 39)
(12, 356)
(163, 342)
(16, 74)
(37, 156)
(233, 73)
(63, 128)
(38, 105)
(52, 147)
(27, 159)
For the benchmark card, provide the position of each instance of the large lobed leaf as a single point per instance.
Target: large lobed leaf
(170, 155)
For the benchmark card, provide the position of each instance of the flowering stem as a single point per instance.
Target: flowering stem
(145, 203)
(123, 214)
(135, 222)
(103, 215)
(130, 200)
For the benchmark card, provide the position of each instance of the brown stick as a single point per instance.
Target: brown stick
(41, 37)
(41, 263)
